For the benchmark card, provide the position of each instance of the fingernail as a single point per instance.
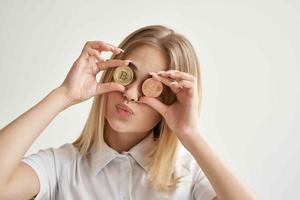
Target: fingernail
(152, 73)
(160, 72)
(121, 50)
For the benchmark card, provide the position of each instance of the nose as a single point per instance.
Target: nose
(132, 93)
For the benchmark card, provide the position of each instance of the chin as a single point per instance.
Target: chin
(118, 125)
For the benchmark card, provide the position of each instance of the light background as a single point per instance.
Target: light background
(249, 54)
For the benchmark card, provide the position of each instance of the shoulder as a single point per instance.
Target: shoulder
(59, 156)
(66, 150)
(65, 153)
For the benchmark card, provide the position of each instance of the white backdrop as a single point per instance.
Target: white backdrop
(249, 52)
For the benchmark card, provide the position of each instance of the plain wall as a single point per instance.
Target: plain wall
(249, 55)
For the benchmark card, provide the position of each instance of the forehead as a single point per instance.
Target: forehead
(148, 58)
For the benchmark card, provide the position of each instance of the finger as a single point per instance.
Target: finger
(100, 46)
(175, 74)
(176, 87)
(95, 53)
(93, 64)
(116, 47)
(183, 83)
(154, 103)
(111, 45)
(111, 63)
(109, 87)
(166, 81)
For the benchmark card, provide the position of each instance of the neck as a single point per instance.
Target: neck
(122, 141)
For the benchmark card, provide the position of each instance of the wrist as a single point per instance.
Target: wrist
(190, 137)
(61, 94)
(186, 133)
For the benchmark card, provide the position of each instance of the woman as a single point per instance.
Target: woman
(132, 146)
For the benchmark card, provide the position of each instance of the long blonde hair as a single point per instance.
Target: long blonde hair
(182, 57)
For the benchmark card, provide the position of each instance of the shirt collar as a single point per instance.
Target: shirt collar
(103, 154)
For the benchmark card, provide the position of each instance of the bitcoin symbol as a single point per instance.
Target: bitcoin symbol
(123, 75)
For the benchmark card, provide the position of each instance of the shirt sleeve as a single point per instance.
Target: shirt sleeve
(202, 189)
(43, 163)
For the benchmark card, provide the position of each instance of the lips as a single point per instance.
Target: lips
(124, 107)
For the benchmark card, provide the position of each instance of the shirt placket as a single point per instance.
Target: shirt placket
(126, 182)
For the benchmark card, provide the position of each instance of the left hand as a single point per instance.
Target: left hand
(181, 116)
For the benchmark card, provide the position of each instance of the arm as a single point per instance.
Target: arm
(185, 125)
(17, 137)
(17, 179)
(226, 184)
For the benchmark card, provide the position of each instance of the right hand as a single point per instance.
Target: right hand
(80, 83)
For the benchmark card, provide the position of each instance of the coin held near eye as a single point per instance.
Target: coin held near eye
(152, 87)
(123, 75)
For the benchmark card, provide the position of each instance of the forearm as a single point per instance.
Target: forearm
(17, 137)
(227, 185)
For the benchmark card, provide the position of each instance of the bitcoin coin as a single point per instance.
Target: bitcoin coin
(123, 75)
(152, 87)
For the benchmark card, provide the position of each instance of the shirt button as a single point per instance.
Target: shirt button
(125, 153)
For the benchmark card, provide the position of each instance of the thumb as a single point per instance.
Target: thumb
(109, 87)
(154, 103)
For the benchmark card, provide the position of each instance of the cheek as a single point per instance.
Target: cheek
(148, 113)
(113, 95)
(112, 99)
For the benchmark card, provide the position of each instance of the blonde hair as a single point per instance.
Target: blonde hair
(182, 57)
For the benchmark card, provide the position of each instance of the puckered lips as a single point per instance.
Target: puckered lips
(122, 107)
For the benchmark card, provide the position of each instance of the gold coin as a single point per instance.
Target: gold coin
(123, 75)
(152, 87)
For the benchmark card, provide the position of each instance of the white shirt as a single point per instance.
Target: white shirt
(65, 174)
